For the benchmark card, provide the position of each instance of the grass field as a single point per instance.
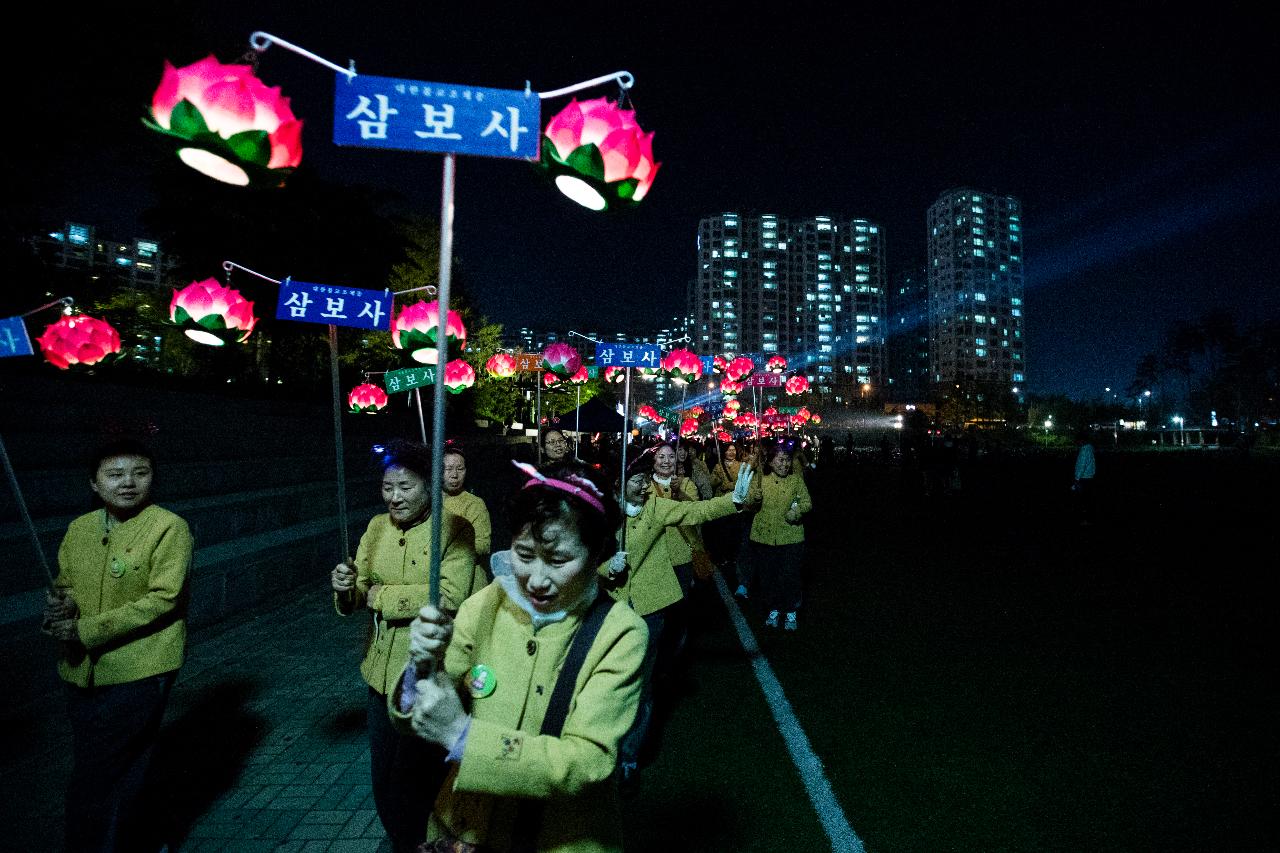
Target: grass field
(981, 673)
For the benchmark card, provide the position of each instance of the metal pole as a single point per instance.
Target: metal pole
(26, 516)
(577, 421)
(422, 423)
(442, 344)
(537, 417)
(337, 444)
(626, 434)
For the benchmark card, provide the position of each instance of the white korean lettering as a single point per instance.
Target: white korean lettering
(334, 309)
(374, 125)
(372, 310)
(606, 357)
(298, 302)
(495, 126)
(628, 356)
(439, 120)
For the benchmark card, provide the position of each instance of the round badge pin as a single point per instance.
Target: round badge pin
(117, 570)
(481, 681)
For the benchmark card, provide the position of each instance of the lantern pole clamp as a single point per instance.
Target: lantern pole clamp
(260, 41)
(625, 79)
(230, 265)
(66, 302)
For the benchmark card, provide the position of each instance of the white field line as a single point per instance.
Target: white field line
(843, 838)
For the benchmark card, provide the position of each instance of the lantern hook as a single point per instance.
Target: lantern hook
(260, 41)
(66, 302)
(230, 265)
(625, 79)
(430, 287)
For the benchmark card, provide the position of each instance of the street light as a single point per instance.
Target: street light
(1181, 422)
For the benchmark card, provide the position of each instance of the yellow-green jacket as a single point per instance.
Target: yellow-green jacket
(400, 561)
(722, 483)
(773, 496)
(678, 537)
(130, 586)
(506, 760)
(650, 583)
(468, 506)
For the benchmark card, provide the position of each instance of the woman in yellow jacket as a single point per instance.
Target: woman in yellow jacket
(119, 606)
(777, 535)
(649, 584)
(466, 505)
(512, 784)
(390, 578)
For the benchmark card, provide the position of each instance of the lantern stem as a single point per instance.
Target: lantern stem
(22, 505)
(337, 441)
(230, 265)
(66, 302)
(625, 79)
(260, 41)
(430, 287)
(442, 341)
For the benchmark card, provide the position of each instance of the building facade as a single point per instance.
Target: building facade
(976, 328)
(79, 251)
(812, 290)
(907, 342)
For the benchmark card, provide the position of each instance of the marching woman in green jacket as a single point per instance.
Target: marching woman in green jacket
(535, 682)
(648, 582)
(390, 577)
(777, 535)
(119, 608)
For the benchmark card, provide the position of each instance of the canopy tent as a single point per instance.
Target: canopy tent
(595, 415)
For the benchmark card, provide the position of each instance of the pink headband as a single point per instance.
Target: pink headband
(580, 487)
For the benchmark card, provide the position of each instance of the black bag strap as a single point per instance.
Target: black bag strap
(529, 814)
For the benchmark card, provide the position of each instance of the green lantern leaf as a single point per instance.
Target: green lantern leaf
(186, 120)
(586, 160)
(180, 315)
(549, 153)
(627, 189)
(253, 146)
(212, 322)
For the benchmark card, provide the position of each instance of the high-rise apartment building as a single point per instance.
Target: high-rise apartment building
(907, 341)
(78, 251)
(976, 329)
(811, 290)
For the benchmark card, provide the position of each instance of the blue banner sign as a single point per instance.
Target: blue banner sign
(334, 306)
(414, 115)
(708, 364)
(409, 378)
(13, 338)
(628, 355)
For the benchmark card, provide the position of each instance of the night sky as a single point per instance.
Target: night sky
(1142, 144)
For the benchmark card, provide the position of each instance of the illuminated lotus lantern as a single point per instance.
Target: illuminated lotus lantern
(650, 413)
(550, 380)
(732, 406)
(689, 428)
(581, 377)
(78, 339)
(367, 398)
(598, 155)
(776, 364)
(730, 388)
(211, 314)
(730, 415)
(770, 412)
(724, 436)
(561, 359)
(803, 414)
(797, 385)
(226, 123)
(615, 374)
(747, 420)
(797, 420)
(740, 368)
(816, 419)
(416, 327)
(719, 364)
(458, 376)
(683, 366)
(501, 365)
(697, 412)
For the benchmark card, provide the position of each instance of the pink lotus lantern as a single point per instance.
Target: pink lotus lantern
(226, 123)
(816, 419)
(550, 380)
(724, 436)
(689, 428)
(650, 413)
(732, 406)
(719, 364)
(730, 415)
(740, 368)
(730, 388)
(615, 374)
(797, 420)
(458, 376)
(211, 314)
(78, 339)
(581, 377)
(501, 365)
(797, 385)
(561, 359)
(416, 326)
(366, 398)
(598, 155)
(776, 364)
(683, 365)
(697, 412)
(770, 412)
(747, 420)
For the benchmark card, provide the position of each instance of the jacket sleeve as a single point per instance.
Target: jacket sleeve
(483, 529)
(505, 762)
(170, 562)
(688, 490)
(457, 565)
(683, 513)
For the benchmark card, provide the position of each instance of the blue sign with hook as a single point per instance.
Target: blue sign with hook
(414, 115)
(13, 338)
(334, 306)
